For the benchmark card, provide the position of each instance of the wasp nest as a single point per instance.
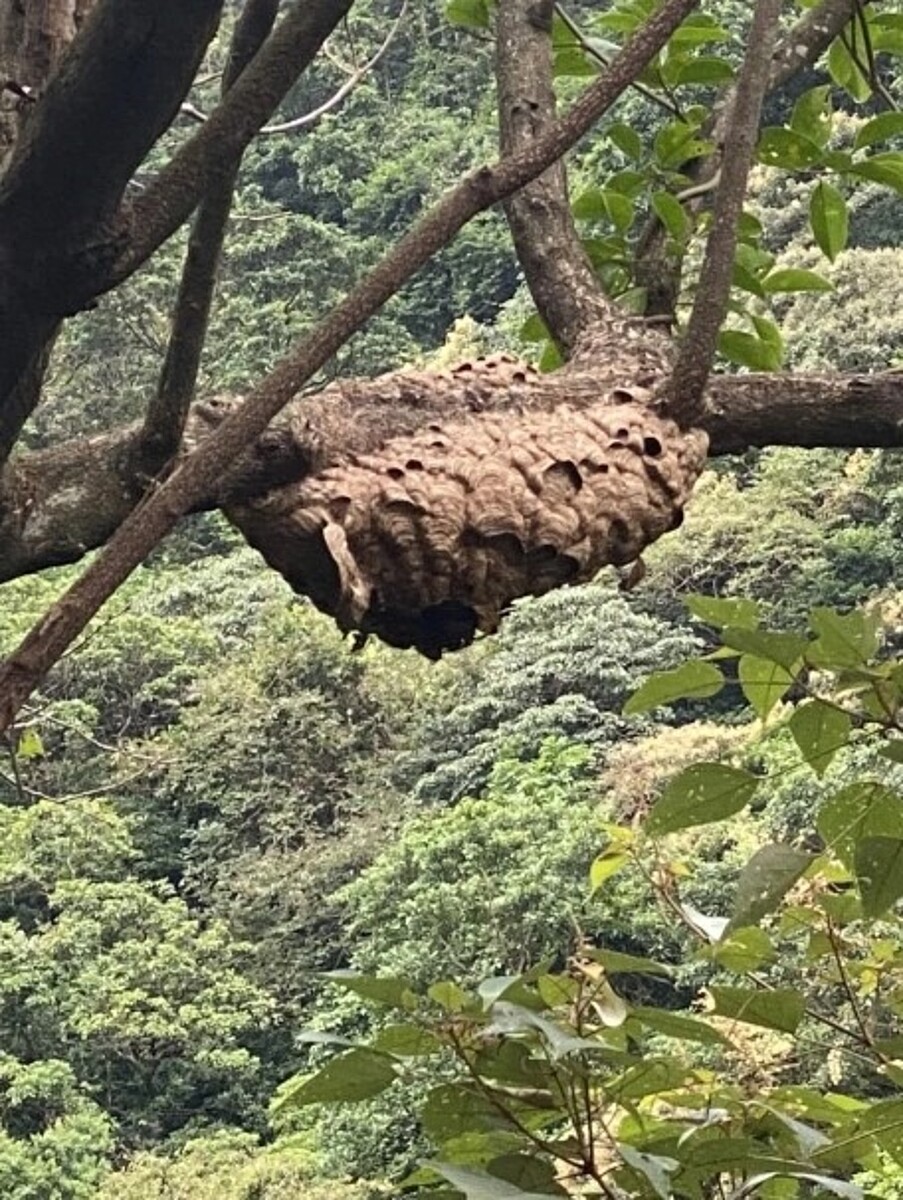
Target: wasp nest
(431, 537)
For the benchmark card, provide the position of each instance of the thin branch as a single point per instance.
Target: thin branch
(167, 411)
(311, 118)
(691, 372)
(348, 86)
(168, 201)
(197, 476)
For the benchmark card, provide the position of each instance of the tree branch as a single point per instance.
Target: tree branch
(561, 279)
(168, 408)
(160, 511)
(117, 89)
(684, 394)
(168, 202)
(57, 504)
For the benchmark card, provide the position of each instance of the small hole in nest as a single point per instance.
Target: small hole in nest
(414, 464)
(395, 473)
(438, 445)
(622, 433)
(652, 446)
(519, 376)
(462, 367)
(616, 445)
(434, 428)
(622, 395)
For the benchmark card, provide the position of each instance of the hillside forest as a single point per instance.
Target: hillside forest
(603, 904)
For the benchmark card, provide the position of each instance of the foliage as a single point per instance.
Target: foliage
(562, 1080)
(561, 666)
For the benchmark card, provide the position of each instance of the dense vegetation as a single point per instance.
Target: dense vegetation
(213, 803)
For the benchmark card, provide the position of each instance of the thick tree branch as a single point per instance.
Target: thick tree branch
(168, 408)
(685, 389)
(160, 511)
(561, 279)
(57, 504)
(168, 202)
(117, 89)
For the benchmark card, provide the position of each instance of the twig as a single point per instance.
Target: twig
(684, 394)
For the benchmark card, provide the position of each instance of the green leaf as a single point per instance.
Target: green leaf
(826, 1183)
(742, 614)
(843, 640)
(792, 279)
(704, 70)
(785, 649)
(472, 14)
(603, 204)
(604, 866)
(626, 138)
(29, 745)
(479, 1185)
(866, 809)
(677, 142)
(406, 1041)
(812, 115)
(670, 212)
(702, 793)
(653, 1167)
(357, 1075)
(879, 129)
(747, 350)
(829, 219)
(742, 950)
(763, 682)
(448, 995)
(765, 879)
(788, 148)
(893, 750)
(676, 1025)
(692, 680)
(820, 730)
(534, 329)
(882, 168)
(844, 70)
(781, 1008)
(393, 992)
(526, 1171)
(452, 1110)
(616, 963)
(879, 872)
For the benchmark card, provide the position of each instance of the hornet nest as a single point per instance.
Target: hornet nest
(431, 537)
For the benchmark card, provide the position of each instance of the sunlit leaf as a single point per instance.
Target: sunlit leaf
(763, 682)
(794, 279)
(655, 1168)
(713, 610)
(829, 219)
(357, 1075)
(700, 794)
(780, 1008)
(820, 730)
(866, 809)
(690, 681)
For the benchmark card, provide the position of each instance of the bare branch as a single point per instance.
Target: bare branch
(161, 510)
(685, 390)
(168, 408)
(311, 118)
(559, 274)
